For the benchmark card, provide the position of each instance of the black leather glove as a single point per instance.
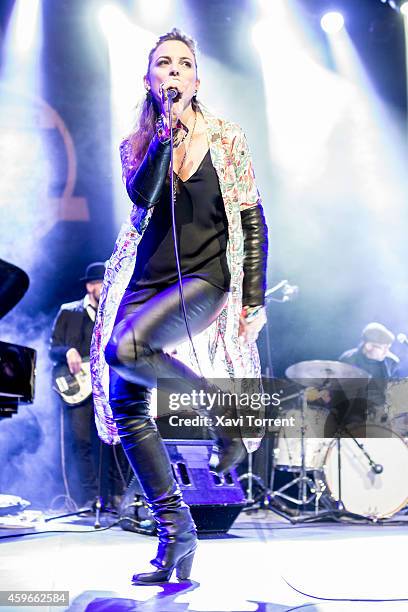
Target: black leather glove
(255, 255)
(145, 184)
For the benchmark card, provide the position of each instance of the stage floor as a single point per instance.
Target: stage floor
(249, 569)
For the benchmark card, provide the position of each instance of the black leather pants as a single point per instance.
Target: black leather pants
(147, 322)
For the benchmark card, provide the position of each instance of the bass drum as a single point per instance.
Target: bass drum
(363, 491)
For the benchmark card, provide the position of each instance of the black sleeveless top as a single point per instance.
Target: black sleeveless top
(202, 232)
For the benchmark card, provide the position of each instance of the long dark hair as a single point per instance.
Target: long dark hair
(145, 126)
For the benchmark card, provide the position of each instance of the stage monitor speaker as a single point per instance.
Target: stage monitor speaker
(215, 500)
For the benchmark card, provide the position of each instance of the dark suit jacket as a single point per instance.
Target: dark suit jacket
(357, 358)
(72, 329)
(381, 372)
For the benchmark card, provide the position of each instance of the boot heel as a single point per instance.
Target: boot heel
(183, 569)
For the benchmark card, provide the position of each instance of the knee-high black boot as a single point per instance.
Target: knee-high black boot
(149, 459)
(229, 449)
(138, 363)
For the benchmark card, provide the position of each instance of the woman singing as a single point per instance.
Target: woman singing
(222, 244)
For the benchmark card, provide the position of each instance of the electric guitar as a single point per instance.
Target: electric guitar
(73, 388)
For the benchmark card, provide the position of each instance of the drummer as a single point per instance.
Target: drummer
(374, 356)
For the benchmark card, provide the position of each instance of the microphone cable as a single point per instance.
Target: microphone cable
(174, 230)
(338, 599)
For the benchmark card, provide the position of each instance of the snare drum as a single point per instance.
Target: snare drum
(288, 454)
(363, 491)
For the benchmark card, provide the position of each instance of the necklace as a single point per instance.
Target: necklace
(177, 177)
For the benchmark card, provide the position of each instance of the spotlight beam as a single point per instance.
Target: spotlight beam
(332, 22)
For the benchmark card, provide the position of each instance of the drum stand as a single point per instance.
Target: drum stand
(308, 489)
(251, 477)
(266, 499)
(267, 493)
(339, 502)
(98, 506)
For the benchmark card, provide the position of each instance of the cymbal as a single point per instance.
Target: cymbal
(315, 372)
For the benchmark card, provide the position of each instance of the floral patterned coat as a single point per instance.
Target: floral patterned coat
(220, 353)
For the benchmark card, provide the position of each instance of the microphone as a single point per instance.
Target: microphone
(276, 288)
(402, 338)
(173, 94)
(290, 292)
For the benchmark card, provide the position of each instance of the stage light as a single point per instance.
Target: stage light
(400, 6)
(332, 22)
(128, 47)
(26, 24)
(110, 19)
(154, 12)
(303, 99)
(404, 9)
(21, 47)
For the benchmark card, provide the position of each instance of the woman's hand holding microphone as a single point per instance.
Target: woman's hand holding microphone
(177, 106)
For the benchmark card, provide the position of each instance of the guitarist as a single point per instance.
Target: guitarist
(70, 344)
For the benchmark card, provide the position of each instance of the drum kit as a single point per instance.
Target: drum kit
(359, 470)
